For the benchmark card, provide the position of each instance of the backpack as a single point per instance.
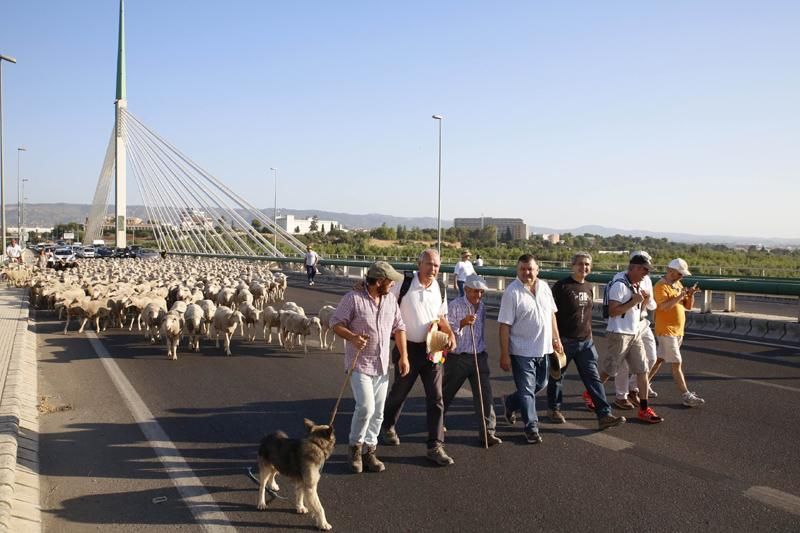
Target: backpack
(408, 277)
(611, 283)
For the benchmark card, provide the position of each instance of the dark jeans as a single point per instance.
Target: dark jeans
(311, 271)
(460, 285)
(585, 357)
(458, 368)
(431, 376)
(530, 376)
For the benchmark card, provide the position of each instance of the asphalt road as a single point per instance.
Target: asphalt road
(136, 442)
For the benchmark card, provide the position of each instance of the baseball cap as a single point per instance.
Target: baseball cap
(680, 265)
(474, 281)
(383, 270)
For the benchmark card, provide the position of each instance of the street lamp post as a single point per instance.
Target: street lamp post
(19, 204)
(439, 118)
(275, 212)
(21, 227)
(2, 174)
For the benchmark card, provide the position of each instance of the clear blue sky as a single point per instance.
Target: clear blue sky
(670, 116)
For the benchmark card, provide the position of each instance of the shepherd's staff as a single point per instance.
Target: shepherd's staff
(480, 389)
(346, 379)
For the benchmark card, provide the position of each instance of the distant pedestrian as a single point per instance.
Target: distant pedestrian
(311, 262)
(462, 269)
(673, 301)
(467, 318)
(626, 387)
(421, 306)
(528, 334)
(626, 299)
(573, 298)
(478, 261)
(366, 317)
(42, 259)
(14, 252)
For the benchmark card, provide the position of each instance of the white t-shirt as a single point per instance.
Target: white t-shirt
(463, 269)
(420, 306)
(630, 322)
(13, 250)
(479, 262)
(530, 317)
(311, 258)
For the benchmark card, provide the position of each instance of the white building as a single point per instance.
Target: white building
(301, 226)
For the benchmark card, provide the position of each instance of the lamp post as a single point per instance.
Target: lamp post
(21, 227)
(19, 208)
(2, 174)
(275, 212)
(439, 118)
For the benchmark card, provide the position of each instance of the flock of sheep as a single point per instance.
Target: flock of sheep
(176, 297)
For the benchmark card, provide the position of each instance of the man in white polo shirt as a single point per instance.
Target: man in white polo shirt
(421, 303)
(528, 333)
(462, 269)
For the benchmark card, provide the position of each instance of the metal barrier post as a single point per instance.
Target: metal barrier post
(730, 302)
(706, 308)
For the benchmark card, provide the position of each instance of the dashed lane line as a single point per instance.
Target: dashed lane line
(753, 381)
(774, 498)
(197, 499)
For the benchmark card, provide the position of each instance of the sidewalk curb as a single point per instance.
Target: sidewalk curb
(19, 431)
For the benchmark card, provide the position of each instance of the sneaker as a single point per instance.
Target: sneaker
(691, 399)
(355, 459)
(508, 414)
(623, 403)
(649, 416)
(492, 440)
(556, 417)
(371, 461)
(610, 421)
(533, 437)
(651, 393)
(587, 400)
(390, 437)
(633, 397)
(439, 456)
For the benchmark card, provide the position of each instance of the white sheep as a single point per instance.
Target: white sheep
(325, 315)
(226, 322)
(250, 316)
(296, 327)
(271, 318)
(193, 325)
(171, 326)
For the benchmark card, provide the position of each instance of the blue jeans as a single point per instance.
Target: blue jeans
(530, 376)
(460, 285)
(585, 357)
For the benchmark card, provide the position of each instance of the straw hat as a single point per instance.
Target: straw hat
(558, 360)
(436, 344)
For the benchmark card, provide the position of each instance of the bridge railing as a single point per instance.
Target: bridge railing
(498, 277)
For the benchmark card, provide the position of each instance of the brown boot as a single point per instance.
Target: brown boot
(355, 459)
(371, 461)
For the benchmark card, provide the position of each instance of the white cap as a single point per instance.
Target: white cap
(474, 281)
(680, 265)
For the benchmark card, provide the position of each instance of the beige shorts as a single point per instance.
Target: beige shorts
(669, 348)
(623, 347)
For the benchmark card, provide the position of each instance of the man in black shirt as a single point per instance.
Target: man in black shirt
(573, 296)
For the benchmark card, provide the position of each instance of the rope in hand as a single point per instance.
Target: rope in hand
(341, 391)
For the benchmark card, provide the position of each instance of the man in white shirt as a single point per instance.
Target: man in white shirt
(478, 261)
(14, 252)
(626, 300)
(421, 305)
(528, 333)
(462, 269)
(311, 264)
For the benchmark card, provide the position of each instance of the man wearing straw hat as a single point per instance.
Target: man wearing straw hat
(366, 317)
(528, 334)
(469, 360)
(422, 307)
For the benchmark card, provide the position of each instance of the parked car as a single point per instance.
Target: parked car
(84, 252)
(62, 258)
(103, 252)
(146, 253)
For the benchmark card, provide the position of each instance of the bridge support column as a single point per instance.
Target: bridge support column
(730, 302)
(706, 306)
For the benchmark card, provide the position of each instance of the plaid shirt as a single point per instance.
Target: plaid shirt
(359, 313)
(458, 309)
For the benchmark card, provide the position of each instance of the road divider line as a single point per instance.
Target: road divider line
(753, 381)
(774, 498)
(592, 436)
(205, 510)
(747, 341)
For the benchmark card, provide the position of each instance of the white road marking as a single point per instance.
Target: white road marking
(598, 438)
(753, 381)
(775, 498)
(746, 341)
(197, 499)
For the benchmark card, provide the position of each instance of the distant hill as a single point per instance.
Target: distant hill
(61, 213)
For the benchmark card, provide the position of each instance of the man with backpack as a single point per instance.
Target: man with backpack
(422, 301)
(625, 300)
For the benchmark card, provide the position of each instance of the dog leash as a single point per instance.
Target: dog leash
(271, 492)
(341, 391)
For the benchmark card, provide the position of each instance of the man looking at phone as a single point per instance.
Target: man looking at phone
(673, 299)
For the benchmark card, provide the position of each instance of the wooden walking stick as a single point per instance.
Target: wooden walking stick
(341, 391)
(480, 389)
